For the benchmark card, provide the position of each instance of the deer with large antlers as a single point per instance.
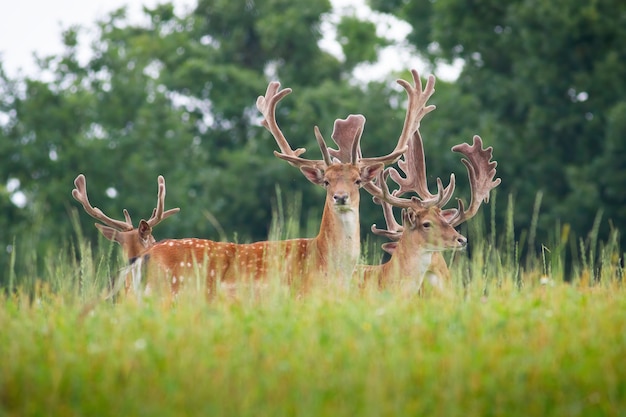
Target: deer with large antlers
(334, 252)
(132, 240)
(426, 229)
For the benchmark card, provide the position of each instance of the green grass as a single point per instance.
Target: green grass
(508, 338)
(547, 349)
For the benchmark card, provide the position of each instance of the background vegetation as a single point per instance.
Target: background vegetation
(543, 82)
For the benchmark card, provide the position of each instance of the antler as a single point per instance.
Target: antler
(350, 131)
(414, 168)
(267, 106)
(481, 171)
(347, 132)
(80, 195)
(394, 229)
(347, 135)
(416, 108)
(158, 215)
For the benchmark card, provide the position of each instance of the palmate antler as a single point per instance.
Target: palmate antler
(344, 132)
(347, 132)
(414, 181)
(353, 124)
(481, 172)
(414, 167)
(416, 108)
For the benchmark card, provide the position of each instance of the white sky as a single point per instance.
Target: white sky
(28, 26)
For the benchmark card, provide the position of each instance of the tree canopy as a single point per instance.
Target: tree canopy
(547, 80)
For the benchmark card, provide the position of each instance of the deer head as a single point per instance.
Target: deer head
(133, 240)
(343, 171)
(425, 226)
(431, 227)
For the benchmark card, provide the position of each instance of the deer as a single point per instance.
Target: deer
(427, 229)
(133, 240)
(334, 252)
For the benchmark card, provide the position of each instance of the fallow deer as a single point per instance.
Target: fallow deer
(132, 240)
(334, 252)
(426, 228)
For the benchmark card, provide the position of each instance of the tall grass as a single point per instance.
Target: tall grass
(509, 338)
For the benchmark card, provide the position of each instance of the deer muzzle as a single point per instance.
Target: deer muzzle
(341, 199)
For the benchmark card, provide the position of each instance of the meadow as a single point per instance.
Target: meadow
(507, 338)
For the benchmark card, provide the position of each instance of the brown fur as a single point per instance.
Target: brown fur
(133, 242)
(332, 254)
(426, 233)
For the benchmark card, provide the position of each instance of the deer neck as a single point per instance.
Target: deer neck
(338, 242)
(408, 263)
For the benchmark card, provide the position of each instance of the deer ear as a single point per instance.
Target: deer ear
(389, 247)
(313, 174)
(449, 214)
(369, 172)
(145, 231)
(109, 233)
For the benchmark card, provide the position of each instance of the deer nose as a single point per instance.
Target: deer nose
(462, 241)
(341, 199)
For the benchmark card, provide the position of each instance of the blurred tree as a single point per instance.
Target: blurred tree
(547, 82)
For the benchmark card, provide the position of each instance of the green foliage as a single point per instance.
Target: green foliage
(359, 40)
(547, 82)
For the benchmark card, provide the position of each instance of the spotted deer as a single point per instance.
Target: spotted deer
(427, 229)
(132, 240)
(334, 252)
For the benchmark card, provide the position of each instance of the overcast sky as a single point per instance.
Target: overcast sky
(28, 26)
(36, 25)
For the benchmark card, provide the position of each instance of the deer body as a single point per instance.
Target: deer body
(336, 248)
(134, 241)
(225, 262)
(334, 252)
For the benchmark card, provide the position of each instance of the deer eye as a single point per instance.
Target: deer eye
(358, 182)
(326, 183)
(427, 225)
